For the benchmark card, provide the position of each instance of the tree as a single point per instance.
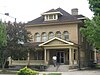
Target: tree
(91, 28)
(95, 6)
(17, 36)
(3, 43)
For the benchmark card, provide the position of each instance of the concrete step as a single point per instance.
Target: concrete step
(58, 68)
(63, 68)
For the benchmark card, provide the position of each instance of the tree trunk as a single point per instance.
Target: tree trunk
(3, 64)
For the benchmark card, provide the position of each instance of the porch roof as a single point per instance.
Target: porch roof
(59, 42)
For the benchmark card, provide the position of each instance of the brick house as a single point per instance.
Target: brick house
(56, 32)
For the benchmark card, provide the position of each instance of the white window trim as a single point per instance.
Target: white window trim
(47, 18)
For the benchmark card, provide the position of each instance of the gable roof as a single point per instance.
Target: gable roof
(52, 10)
(56, 38)
(65, 17)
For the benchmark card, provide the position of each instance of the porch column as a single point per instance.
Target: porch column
(45, 56)
(48, 56)
(28, 58)
(70, 56)
(95, 58)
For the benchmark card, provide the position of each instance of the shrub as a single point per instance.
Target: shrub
(27, 71)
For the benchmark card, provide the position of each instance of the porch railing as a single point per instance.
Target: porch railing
(26, 62)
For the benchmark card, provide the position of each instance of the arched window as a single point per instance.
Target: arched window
(44, 37)
(66, 35)
(51, 35)
(37, 37)
(58, 34)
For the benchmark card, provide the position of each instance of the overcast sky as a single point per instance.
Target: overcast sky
(27, 10)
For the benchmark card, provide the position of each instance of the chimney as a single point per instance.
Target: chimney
(74, 11)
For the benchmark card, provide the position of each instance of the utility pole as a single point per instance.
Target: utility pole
(7, 14)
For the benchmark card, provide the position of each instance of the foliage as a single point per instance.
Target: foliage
(27, 71)
(91, 28)
(19, 54)
(16, 37)
(91, 31)
(44, 74)
(3, 44)
(3, 38)
(95, 6)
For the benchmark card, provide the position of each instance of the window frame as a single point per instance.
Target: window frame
(37, 37)
(51, 17)
(44, 37)
(51, 35)
(66, 35)
(58, 34)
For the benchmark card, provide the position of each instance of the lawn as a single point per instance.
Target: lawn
(98, 66)
(7, 72)
(54, 74)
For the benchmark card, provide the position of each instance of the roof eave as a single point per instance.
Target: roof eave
(48, 13)
(71, 22)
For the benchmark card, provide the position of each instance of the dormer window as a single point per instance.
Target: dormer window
(49, 16)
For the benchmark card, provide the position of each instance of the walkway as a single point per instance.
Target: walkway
(84, 72)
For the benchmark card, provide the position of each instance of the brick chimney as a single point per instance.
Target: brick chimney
(74, 11)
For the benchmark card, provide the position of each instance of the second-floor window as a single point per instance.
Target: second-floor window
(51, 35)
(37, 37)
(66, 35)
(44, 37)
(58, 34)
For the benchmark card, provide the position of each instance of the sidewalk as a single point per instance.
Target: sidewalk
(77, 72)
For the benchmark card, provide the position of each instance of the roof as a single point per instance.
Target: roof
(33, 45)
(56, 38)
(66, 17)
(79, 16)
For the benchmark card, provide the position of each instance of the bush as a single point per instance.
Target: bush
(27, 71)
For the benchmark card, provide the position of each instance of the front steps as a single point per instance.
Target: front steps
(58, 68)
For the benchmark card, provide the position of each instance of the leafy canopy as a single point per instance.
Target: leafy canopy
(91, 29)
(95, 6)
(3, 38)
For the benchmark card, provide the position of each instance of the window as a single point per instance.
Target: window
(66, 35)
(37, 37)
(44, 37)
(58, 34)
(51, 35)
(38, 55)
(51, 17)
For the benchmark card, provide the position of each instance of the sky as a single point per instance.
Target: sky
(27, 10)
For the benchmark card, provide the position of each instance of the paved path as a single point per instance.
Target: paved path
(85, 72)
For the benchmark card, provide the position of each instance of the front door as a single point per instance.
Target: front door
(61, 57)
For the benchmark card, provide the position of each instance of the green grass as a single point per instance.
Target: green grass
(97, 65)
(7, 72)
(54, 74)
